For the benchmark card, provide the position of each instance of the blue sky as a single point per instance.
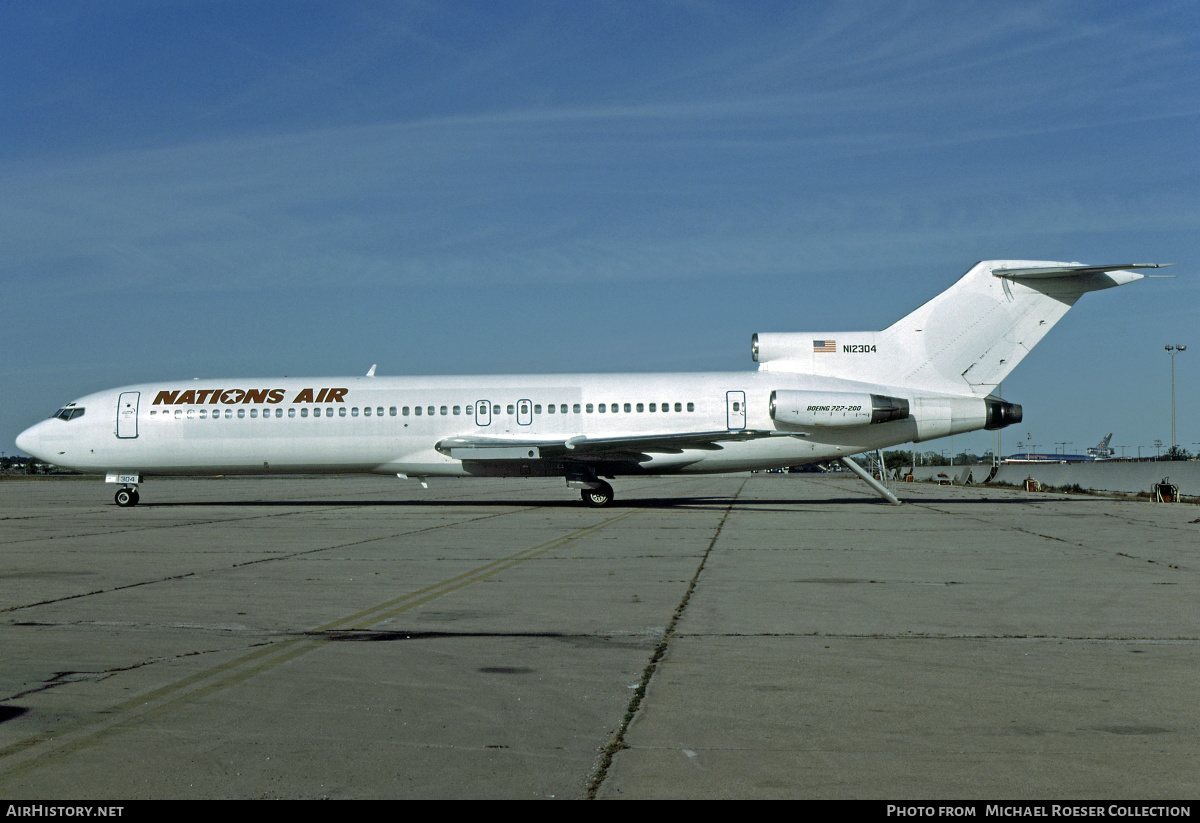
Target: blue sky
(251, 189)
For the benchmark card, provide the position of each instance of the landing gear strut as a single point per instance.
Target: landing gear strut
(598, 497)
(126, 497)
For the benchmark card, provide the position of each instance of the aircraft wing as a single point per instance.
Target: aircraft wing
(584, 448)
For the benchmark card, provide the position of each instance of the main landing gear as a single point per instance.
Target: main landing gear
(127, 496)
(598, 497)
(594, 491)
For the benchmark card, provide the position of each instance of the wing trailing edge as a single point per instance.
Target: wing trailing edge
(581, 447)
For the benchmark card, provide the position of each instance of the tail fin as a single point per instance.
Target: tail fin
(965, 340)
(1102, 449)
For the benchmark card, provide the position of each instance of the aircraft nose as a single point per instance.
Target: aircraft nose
(28, 440)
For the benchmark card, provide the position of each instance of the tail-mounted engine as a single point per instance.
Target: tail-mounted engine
(802, 408)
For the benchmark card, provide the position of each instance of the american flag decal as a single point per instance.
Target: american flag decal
(824, 345)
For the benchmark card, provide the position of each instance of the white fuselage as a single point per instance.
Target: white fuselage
(391, 424)
(815, 396)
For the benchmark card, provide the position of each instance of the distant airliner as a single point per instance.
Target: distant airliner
(1100, 451)
(816, 396)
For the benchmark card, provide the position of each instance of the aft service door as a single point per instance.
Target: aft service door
(524, 412)
(483, 413)
(735, 409)
(127, 409)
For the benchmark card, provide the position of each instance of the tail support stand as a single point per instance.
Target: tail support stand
(879, 488)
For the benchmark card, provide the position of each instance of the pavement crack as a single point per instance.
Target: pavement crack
(617, 743)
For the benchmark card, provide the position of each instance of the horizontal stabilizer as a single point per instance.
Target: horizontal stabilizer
(1039, 272)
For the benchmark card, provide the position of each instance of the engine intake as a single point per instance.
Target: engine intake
(801, 408)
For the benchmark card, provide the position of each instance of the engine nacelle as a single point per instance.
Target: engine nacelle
(780, 346)
(1001, 414)
(830, 408)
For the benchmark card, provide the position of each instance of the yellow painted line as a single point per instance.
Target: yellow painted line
(137, 710)
(375, 614)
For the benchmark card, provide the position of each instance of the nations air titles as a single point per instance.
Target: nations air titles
(232, 397)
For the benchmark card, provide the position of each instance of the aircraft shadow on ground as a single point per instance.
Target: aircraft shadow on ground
(626, 503)
(11, 712)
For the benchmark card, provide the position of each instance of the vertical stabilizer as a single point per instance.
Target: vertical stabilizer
(964, 341)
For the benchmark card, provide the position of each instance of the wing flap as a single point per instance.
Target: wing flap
(581, 447)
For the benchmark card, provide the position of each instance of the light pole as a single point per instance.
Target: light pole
(1173, 350)
(1157, 446)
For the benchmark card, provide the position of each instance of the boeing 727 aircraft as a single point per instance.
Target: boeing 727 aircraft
(816, 396)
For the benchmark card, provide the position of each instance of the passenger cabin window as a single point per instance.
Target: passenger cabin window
(495, 409)
(691, 406)
(577, 408)
(678, 407)
(430, 410)
(510, 409)
(367, 411)
(589, 408)
(291, 412)
(550, 408)
(537, 408)
(627, 409)
(470, 411)
(599, 409)
(392, 411)
(444, 411)
(458, 409)
(417, 410)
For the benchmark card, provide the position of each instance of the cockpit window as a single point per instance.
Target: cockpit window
(68, 413)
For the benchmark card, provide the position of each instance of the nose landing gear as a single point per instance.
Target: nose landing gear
(127, 496)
